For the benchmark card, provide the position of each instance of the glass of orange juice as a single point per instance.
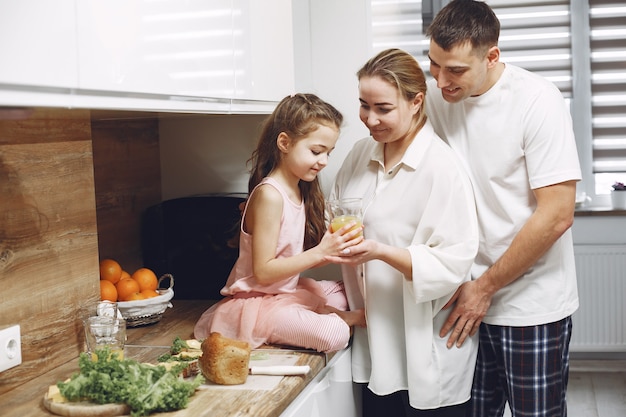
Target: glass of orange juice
(105, 332)
(344, 211)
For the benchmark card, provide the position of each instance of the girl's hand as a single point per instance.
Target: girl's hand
(339, 242)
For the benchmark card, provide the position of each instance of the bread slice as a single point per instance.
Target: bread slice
(224, 361)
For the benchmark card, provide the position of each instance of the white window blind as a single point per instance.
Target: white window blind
(608, 84)
(536, 35)
(398, 24)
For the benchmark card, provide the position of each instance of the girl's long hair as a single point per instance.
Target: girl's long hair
(297, 116)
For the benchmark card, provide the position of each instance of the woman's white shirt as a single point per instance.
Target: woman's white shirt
(425, 204)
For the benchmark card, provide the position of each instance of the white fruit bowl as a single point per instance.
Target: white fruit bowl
(150, 310)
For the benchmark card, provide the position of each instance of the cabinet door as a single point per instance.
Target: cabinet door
(264, 64)
(169, 47)
(38, 43)
(331, 393)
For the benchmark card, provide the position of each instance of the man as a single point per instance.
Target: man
(514, 135)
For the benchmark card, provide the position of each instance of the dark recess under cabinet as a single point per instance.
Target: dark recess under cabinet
(189, 238)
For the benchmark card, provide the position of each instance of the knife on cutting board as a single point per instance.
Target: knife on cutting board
(280, 370)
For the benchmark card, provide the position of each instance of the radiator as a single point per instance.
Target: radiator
(600, 322)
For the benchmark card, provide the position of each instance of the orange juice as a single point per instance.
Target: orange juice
(340, 221)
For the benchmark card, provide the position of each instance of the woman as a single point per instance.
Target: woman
(421, 236)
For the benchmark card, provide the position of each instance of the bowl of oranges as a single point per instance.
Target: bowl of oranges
(141, 297)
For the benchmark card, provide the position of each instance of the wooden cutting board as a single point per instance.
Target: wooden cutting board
(85, 409)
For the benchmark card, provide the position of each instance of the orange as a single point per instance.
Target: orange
(125, 288)
(110, 270)
(107, 290)
(136, 296)
(146, 279)
(125, 274)
(149, 293)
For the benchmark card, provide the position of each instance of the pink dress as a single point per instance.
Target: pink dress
(284, 312)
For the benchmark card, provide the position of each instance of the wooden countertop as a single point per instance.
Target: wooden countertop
(145, 344)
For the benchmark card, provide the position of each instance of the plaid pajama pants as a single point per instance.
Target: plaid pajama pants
(526, 366)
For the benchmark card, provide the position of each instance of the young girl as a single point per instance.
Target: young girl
(283, 232)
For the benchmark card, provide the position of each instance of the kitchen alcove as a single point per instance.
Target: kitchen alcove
(75, 184)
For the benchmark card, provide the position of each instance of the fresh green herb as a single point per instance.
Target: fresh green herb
(168, 357)
(143, 387)
(178, 345)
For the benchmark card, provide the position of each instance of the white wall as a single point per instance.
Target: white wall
(206, 154)
(599, 230)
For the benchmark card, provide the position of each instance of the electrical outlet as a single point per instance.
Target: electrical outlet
(10, 347)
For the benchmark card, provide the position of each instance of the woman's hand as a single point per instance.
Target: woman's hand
(359, 253)
(369, 249)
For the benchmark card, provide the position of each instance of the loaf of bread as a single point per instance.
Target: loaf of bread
(224, 361)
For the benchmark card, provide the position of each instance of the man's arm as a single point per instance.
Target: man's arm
(552, 217)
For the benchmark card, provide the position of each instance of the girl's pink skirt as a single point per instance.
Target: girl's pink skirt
(289, 319)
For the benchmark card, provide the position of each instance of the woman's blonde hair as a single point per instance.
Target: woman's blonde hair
(401, 70)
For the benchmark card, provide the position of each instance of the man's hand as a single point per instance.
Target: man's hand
(472, 303)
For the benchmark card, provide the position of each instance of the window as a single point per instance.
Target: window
(608, 91)
(588, 64)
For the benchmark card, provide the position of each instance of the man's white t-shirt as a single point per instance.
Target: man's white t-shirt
(515, 138)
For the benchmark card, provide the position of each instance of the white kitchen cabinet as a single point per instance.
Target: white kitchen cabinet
(265, 68)
(331, 393)
(201, 56)
(224, 49)
(38, 44)
(170, 48)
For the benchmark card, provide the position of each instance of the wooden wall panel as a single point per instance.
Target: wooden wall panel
(72, 191)
(48, 236)
(127, 174)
